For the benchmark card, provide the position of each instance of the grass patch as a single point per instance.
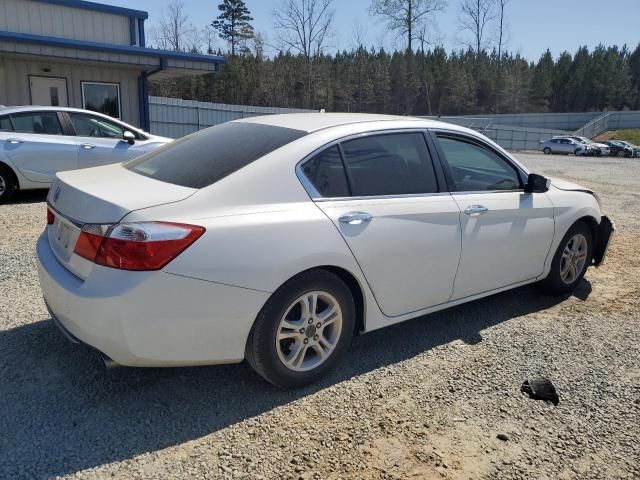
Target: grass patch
(632, 136)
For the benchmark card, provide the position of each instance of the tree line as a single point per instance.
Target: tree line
(421, 79)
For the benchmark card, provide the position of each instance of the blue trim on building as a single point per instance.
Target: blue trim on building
(107, 47)
(99, 7)
(143, 42)
(143, 95)
(132, 31)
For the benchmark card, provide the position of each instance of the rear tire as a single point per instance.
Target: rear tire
(546, 151)
(303, 330)
(621, 154)
(571, 260)
(7, 184)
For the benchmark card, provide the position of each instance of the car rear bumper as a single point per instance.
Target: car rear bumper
(149, 319)
(606, 229)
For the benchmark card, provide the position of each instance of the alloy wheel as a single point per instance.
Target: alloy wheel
(3, 185)
(309, 331)
(574, 258)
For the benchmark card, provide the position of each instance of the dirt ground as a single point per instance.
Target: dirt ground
(427, 398)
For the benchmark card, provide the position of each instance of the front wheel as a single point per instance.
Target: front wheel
(546, 151)
(303, 331)
(571, 260)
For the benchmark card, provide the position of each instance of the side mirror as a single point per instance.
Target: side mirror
(129, 137)
(537, 183)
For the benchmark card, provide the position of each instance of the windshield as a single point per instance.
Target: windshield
(203, 158)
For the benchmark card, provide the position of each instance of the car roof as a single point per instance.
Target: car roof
(312, 122)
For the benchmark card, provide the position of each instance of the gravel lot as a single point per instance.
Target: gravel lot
(424, 399)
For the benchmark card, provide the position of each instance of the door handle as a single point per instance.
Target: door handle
(87, 146)
(356, 218)
(15, 141)
(475, 210)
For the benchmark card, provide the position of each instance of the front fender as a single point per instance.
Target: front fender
(569, 206)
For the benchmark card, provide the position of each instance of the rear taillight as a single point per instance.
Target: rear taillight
(50, 217)
(136, 246)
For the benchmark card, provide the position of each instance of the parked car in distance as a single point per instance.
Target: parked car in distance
(635, 148)
(214, 249)
(566, 146)
(619, 149)
(36, 142)
(599, 148)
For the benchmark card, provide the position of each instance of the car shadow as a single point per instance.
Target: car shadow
(62, 412)
(28, 196)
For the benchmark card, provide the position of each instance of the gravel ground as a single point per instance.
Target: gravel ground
(424, 399)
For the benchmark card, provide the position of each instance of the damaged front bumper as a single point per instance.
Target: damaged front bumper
(606, 230)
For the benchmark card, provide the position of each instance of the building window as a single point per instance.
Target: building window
(101, 97)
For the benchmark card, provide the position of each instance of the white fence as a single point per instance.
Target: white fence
(174, 118)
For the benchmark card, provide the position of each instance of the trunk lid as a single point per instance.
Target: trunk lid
(101, 195)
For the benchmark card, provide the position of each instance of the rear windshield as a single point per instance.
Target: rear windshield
(203, 158)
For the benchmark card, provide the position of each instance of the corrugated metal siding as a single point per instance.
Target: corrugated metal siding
(27, 16)
(172, 117)
(14, 78)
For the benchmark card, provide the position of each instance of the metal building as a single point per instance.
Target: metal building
(86, 55)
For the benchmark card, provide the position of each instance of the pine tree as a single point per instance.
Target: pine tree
(233, 23)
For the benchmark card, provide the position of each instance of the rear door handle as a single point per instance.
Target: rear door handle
(356, 218)
(475, 210)
(87, 146)
(15, 141)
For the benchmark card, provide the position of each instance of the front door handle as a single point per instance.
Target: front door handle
(87, 146)
(15, 141)
(356, 218)
(475, 210)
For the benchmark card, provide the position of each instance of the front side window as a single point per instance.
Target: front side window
(389, 164)
(326, 172)
(5, 124)
(90, 126)
(44, 123)
(102, 98)
(476, 168)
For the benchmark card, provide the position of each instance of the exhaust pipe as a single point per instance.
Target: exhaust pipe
(109, 363)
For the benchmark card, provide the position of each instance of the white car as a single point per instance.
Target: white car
(278, 238)
(600, 148)
(37, 142)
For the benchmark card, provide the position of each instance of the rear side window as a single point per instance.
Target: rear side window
(203, 158)
(5, 125)
(44, 123)
(389, 164)
(326, 172)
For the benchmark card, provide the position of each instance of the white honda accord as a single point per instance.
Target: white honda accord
(276, 239)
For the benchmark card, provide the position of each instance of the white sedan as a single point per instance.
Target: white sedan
(276, 239)
(38, 142)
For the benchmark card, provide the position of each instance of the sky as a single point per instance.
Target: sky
(533, 25)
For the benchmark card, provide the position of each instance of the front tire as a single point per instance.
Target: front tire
(303, 330)
(7, 184)
(571, 260)
(546, 151)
